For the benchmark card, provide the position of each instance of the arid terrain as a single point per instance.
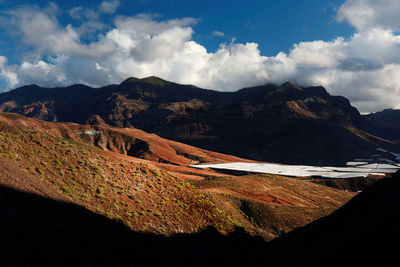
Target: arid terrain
(283, 124)
(199, 133)
(92, 166)
(102, 190)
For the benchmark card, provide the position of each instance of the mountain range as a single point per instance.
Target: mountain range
(103, 177)
(284, 124)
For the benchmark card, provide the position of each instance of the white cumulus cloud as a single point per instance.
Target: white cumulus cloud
(365, 14)
(364, 67)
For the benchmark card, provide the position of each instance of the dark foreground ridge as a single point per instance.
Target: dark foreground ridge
(364, 232)
(285, 124)
(36, 231)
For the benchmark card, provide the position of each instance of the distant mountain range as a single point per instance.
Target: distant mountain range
(286, 124)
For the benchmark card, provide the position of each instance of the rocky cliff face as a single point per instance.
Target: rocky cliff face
(287, 123)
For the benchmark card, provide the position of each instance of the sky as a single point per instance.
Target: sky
(351, 47)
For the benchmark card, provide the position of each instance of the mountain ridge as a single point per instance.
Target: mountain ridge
(385, 123)
(286, 123)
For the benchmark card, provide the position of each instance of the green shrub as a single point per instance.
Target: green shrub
(65, 189)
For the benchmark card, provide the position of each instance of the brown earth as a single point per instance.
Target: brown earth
(126, 141)
(350, 184)
(38, 231)
(267, 204)
(91, 166)
(13, 177)
(137, 193)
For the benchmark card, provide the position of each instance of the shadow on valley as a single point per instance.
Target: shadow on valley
(364, 232)
(39, 231)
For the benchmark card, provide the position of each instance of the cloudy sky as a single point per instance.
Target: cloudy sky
(351, 47)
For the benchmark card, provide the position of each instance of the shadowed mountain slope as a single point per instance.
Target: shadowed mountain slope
(286, 124)
(364, 232)
(37, 231)
(385, 123)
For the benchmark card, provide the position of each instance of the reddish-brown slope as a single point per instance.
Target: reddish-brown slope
(126, 141)
(12, 176)
(271, 202)
(139, 194)
(113, 182)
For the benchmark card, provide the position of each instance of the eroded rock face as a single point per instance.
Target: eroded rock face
(287, 123)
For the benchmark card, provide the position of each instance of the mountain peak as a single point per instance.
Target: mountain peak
(288, 85)
(154, 80)
(29, 86)
(131, 79)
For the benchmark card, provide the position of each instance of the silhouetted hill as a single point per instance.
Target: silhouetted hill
(35, 231)
(364, 232)
(287, 123)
